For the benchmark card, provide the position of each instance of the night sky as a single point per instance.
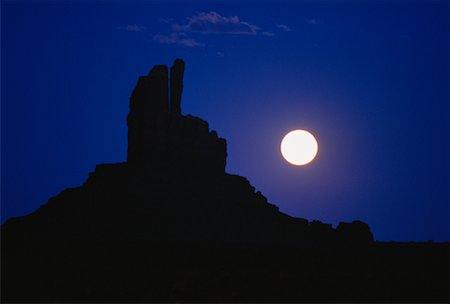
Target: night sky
(369, 79)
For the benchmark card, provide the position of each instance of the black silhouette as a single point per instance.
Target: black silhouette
(170, 225)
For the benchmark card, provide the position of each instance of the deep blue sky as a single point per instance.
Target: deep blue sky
(369, 79)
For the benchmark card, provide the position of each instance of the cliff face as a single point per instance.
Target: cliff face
(160, 137)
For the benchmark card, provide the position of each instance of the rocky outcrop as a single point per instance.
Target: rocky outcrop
(160, 137)
(354, 232)
(176, 86)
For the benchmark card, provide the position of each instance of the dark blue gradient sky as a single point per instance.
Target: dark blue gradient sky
(369, 79)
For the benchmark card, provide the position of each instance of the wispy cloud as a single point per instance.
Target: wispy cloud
(312, 21)
(208, 23)
(131, 28)
(220, 54)
(177, 38)
(268, 34)
(214, 23)
(284, 27)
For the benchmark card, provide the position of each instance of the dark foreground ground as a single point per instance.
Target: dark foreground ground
(145, 272)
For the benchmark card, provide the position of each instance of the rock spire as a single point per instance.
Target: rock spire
(161, 137)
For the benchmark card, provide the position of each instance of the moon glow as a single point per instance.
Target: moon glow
(299, 147)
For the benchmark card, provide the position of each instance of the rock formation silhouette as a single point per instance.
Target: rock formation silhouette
(160, 137)
(176, 86)
(170, 224)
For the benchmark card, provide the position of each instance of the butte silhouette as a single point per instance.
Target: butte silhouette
(170, 225)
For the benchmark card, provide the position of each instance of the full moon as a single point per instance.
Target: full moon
(299, 147)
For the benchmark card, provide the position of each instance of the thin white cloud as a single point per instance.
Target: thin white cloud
(214, 23)
(220, 54)
(284, 27)
(312, 21)
(131, 28)
(206, 23)
(177, 38)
